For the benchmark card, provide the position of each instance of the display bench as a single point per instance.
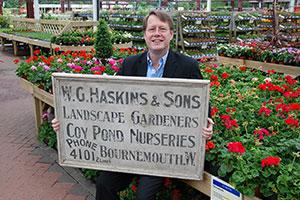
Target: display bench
(285, 69)
(43, 99)
(54, 27)
(35, 43)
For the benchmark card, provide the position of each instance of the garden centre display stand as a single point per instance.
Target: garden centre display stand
(285, 69)
(43, 98)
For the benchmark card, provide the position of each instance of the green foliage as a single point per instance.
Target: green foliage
(74, 38)
(90, 174)
(103, 44)
(47, 134)
(35, 35)
(3, 22)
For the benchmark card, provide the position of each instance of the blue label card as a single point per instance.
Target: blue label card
(220, 190)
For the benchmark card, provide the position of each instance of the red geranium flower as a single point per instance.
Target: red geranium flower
(290, 80)
(265, 110)
(294, 106)
(292, 122)
(16, 61)
(213, 111)
(261, 132)
(208, 70)
(243, 68)
(271, 71)
(209, 145)
(36, 52)
(133, 188)
(270, 161)
(216, 83)
(228, 122)
(214, 78)
(225, 75)
(236, 147)
(283, 107)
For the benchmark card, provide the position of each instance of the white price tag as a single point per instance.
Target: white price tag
(226, 20)
(198, 22)
(204, 46)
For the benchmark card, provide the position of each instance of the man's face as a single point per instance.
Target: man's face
(157, 35)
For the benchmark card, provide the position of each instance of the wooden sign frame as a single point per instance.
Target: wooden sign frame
(135, 125)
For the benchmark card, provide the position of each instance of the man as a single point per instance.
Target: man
(158, 61)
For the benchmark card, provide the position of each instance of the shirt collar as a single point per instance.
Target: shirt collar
(162, 60)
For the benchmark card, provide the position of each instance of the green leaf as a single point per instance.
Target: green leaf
(238, 177)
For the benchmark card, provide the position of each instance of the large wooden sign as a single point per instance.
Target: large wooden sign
(132, 124)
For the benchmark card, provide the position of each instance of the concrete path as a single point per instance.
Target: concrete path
(28, 169)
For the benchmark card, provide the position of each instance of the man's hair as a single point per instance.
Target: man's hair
(163, 16)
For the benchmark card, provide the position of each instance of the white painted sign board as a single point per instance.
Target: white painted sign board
(132, 124)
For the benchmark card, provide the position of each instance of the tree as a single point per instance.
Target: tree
(103, 44)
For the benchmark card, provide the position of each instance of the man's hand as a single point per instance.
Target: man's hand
(208, 132)
(55, 125)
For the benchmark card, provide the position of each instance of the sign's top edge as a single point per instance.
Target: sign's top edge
(133, 78)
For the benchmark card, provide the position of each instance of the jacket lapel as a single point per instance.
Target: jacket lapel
(170, 66)
(141, 65)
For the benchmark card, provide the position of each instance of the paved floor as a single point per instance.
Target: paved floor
(29, 169)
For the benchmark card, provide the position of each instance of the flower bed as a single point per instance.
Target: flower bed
(257, 135)
(256, 142)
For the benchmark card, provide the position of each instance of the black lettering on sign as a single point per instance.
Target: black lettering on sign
(181, 101)
(66, 92)
(107, 135)
(161, 139)
(80, 94)
(81, 143)
(83, 154)
(75, 131)
(183, 159)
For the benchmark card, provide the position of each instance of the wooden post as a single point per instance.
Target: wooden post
(232, 5)
(240, 5)
(30, 10)
(15, 46)
(31, 49)
(165, 3)
(1, 4)
(62, 6)
(38, 112)
(69, 5)
(198, 4)
(2, 43)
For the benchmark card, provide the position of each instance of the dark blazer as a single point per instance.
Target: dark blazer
(177, 66)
